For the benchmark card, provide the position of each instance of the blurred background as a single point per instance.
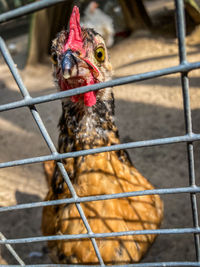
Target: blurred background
(115, 20)
(141, 36)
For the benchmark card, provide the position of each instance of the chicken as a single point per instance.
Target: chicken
(95, 18)
(80, 58)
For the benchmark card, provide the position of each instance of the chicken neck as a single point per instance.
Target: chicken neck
(83, 127)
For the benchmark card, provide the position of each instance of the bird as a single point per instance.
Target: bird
(101, 22)
(80, 58)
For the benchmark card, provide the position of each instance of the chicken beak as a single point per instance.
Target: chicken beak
(69, 65)
(73, 65)
(77, 72)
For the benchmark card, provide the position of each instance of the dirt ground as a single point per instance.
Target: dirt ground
(144, 110)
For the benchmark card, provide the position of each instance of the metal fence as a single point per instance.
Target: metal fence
(183, 68)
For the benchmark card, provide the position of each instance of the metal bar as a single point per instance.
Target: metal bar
(116, 82)
(27, 9)
(13, 69)
(137, 144)
(9, 61)
(150, 264)
(172, 231)
(193, 197)
(43, 130)
(49, 142)
(12, 251)
(180, 29)
(180, 20)
(162, 191)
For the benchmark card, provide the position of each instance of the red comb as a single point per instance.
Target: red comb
(75, 41)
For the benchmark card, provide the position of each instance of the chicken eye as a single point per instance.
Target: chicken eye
(54, 59)
(100, 54)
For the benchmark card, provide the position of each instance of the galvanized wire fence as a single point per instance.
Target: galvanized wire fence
(183, 68)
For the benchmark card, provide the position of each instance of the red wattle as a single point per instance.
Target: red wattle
(89, 99)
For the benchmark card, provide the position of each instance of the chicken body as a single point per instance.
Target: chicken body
(87, 121)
